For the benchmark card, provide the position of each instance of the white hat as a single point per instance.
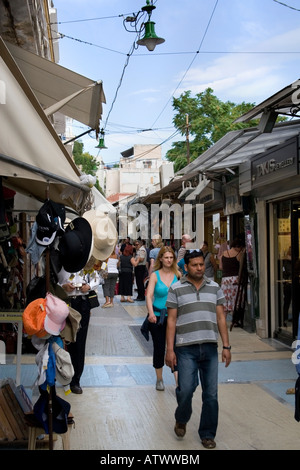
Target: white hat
(105, 235)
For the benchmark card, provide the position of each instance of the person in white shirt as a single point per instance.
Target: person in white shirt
(77, 286)
(111, 280)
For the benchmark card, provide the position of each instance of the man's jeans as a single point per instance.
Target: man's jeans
(190, 360)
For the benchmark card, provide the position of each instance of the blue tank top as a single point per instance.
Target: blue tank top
(161, 293)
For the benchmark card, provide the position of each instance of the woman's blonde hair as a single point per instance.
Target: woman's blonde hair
(158, 262)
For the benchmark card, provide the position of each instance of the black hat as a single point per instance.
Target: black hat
(75, 245)
(50, 220)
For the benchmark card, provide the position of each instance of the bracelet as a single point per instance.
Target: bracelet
(227, 347)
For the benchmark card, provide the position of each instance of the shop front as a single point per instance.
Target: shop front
(276, 187)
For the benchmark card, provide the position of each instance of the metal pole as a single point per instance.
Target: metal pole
(187, 139)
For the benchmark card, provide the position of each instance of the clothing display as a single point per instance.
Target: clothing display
(229, 283)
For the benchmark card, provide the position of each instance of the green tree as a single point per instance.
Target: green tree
(209, 120)
(87, 163)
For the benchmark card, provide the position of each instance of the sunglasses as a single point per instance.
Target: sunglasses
(197, 250)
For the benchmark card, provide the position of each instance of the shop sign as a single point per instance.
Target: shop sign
(10, 317)
(276, 165)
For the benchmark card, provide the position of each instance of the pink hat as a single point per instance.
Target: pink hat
(56, 313)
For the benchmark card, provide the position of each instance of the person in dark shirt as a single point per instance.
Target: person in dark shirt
(230, 273)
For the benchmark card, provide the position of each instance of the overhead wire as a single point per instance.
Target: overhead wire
(155, 54)
(191, 63)
(285, 5)
(133, 47)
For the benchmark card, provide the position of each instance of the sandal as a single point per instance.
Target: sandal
(208, 443)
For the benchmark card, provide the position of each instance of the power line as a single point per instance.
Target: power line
(285, 5)
(120, 81)
(62, 36)
(201, 42)
(154, 54)
(93, 19)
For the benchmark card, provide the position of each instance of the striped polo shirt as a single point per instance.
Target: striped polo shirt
(196, 311)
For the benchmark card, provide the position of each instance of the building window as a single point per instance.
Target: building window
(147, 163)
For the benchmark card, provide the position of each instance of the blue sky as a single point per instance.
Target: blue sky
(247, 51)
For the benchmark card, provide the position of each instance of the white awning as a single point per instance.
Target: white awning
(32, 157)
(201, 186)
(239, 146)
(285, 101)
(101, 203)
(61, 89)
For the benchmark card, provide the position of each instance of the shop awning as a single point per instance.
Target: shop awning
(61, 89)
(101, 203)
(32, 157)
(285, 101)
(233, 149)
(238, 147)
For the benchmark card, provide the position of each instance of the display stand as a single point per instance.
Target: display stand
(15, 317)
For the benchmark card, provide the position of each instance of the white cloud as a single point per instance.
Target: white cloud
(246, 77)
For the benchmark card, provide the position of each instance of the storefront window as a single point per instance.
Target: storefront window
(288, 263)
(284, 265)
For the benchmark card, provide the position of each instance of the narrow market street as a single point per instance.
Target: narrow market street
(120, 409)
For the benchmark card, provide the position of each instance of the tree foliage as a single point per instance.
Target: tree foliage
(209, 120)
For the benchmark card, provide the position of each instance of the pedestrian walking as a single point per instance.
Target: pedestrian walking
(184, 240)
(111, 279)
(157, 243)
(139, 264)
(230, 273)
(165, 274)
(210, 262)
(126, 274)
(195, 316)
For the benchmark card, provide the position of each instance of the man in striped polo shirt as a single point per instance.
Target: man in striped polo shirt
(195, 318)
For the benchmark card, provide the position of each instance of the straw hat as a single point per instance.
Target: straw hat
(105, 235)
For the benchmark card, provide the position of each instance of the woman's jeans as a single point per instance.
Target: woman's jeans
(202, 358)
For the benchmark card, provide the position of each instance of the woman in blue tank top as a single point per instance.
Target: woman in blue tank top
(165, 273)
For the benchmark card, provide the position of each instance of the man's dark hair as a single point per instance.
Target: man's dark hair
(190, 254)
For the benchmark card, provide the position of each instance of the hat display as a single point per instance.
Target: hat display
(34, 318)
(56, 313)
(75, 245)
(50, 220)
(33, 248)
(105, 235)
(64, 366)
(72, 326)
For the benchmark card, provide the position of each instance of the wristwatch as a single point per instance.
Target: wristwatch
(227, 347)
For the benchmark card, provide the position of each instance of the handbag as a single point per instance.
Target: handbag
(93, 299)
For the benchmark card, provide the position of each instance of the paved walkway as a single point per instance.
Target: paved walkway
(120, 408)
